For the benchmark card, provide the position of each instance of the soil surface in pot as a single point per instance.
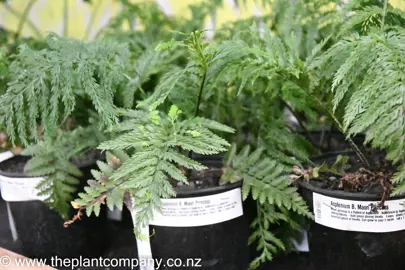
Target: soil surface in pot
(357, 178)
(200, 180)
(208, 178)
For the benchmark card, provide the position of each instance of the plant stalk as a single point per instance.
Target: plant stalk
(92, 19)
(351, 142)
(301, 124)
(384, 15)
(339, 126)
(197, 107)
(65, 18)
(24, 17)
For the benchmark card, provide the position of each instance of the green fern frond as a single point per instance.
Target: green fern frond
(267, 181)
(53, 161)
(46, 84)
(158, 142)
(102, 190)
(206, 64)
(366, 18)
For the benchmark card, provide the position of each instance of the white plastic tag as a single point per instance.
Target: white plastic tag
(200, 211)
(143, 245)
(191, 212)
(301, 244)
(360, 216)
(11, 222)
(6, 155)
(20, 189)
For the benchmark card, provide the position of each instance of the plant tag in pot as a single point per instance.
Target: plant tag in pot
(360, 216)
(6, 155)
(200, 211)
(20, 189)
(301, 243)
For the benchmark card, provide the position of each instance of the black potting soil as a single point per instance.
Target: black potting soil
(357, 177)
(330, 141)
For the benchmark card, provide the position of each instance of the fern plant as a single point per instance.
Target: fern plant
(155, 140)
(159, 147)
(366, 68)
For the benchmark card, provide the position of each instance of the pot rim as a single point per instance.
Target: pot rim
(180, 192)
(340, 194)
(22, 175)
(195, 192)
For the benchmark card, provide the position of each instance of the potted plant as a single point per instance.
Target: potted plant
(66, 83)
(357, 197)
(159, 160)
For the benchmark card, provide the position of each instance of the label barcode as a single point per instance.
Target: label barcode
(318, 210)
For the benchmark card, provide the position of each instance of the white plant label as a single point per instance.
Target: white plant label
(200, 211)
(301, 244)
(11, 222)
(191, 212)
(360, 216)
(6, 155)
(20, 189)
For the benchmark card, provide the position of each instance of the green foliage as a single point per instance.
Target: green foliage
(337, 168)
(206, 64)
(267, 181)
(149, 63)
(53, 161)
(157, 142)
(368, 16)
(303, 24)
(46, 84)
(101, 189)
(367, 76)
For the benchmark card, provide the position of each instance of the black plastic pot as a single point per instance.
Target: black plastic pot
(330, 140)
(351, 250)
(41, 231)
(220, 246)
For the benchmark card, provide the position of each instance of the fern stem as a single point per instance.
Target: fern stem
(350, 140)
(28, 21)
(301, 124)
(353, 145)
(65, 18)
(197, 107)
(92, 19)
(24, 17)
(384, 15)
